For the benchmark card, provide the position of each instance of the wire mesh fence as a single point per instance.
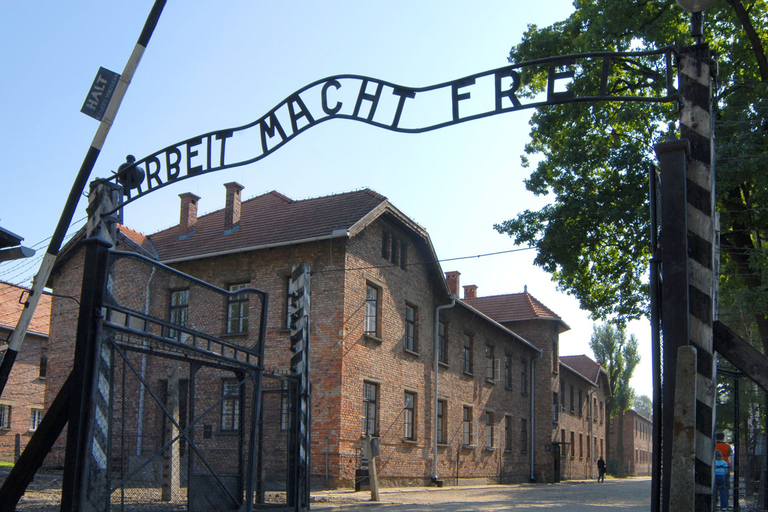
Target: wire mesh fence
(184, 417)
(741, 414)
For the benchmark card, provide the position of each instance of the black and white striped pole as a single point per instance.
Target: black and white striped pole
(103, 107)
(688, 244)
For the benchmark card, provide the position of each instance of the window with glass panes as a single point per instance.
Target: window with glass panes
(35, 417)
(467, 437)
(489, 363)
(43, 363)
(370, 408)
(285, 408)
(523, 376)
(5, 416)
(230, 405)
(508, 432)
(467, 353)
(409, 416)
(442, 354)
(410, 328)
(237, 310)
(371, 310)
(179, 310)
(508, 371)
(489, 440)
(442, 424)
(523, 435)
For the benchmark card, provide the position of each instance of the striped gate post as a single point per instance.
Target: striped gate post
(695, 73)
(87, 459)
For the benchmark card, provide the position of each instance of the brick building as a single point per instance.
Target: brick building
(22, 403)
(376, 335)
(638, 443)
(583, 386)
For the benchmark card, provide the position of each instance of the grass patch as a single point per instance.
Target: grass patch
(6, 464)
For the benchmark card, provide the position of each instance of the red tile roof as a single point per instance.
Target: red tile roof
(583, 365)
(10, 309)
(515, 307)
(138, 238)
(270, 219)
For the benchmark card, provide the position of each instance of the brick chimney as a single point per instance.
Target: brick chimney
(232, 207)
(452, 278)
(470, 291)
(188, 217)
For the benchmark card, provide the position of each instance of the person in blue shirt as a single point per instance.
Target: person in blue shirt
(721, 471)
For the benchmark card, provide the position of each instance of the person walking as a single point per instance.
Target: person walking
(721, 469)
(723, 447)
(726, 450)
(600, 470)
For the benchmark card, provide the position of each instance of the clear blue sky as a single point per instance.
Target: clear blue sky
(215, 65)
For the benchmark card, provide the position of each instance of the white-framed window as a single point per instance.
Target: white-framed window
(490, 442)
(5, 416)
(370, 408)
(372, 298)
(237, 310)
(411, 337)
(490, 362)
(230, 405)
(409, 416)
(35, 417)
(468, 437)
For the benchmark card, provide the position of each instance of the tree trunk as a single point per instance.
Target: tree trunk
(608, 418)
(620, 446)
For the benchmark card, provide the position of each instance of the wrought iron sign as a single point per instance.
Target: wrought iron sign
(408, 109)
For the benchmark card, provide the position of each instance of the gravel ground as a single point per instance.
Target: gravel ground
(629, 495)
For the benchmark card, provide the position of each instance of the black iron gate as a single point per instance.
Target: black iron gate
(181, 417)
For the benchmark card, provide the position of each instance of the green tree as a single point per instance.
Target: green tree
(593, 158)
(644, 405)
(619, 356)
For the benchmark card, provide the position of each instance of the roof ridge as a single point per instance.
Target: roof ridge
(281, 196)
(366, 190)
(499, 295)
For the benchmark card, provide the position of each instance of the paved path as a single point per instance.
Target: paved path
(630, 495)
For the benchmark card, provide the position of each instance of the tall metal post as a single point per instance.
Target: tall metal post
(299, 475)
(672, 157)
(697, 126)
(84, 436)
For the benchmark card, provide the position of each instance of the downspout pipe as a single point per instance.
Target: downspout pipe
(533, 425)
(435, 371)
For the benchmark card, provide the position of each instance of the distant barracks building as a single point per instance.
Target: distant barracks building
(21, 406)
(505, 408)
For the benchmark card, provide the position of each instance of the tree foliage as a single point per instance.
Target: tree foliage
(644, 405)
(594, 158)
(619, 356)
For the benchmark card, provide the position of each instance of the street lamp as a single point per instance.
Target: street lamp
(696, 7)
